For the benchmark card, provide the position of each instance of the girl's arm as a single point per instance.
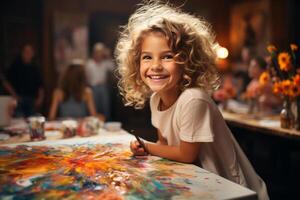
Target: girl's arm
(186, 152)
(57, 96)
(161, 139)
(138, 150)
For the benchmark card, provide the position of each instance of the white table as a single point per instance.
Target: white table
(155, 178)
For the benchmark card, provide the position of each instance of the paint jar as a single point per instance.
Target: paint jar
(69, 128)
(113, 126)
(36, 128)
(89, 126)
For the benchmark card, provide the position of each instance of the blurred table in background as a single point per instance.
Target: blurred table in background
(18, 130)
(273, 151)
(265, 125)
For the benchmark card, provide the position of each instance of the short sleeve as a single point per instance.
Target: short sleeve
(196, 121)
(152, 106)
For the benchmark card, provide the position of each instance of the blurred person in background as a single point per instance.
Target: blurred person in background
(226, 91)
(73, 98)
(24, 82)
(240, 70)
(260, 87)
(97, 71)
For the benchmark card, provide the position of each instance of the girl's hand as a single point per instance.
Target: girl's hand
(136, 149)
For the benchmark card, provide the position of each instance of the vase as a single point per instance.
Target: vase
(297, 121)
(286, 115)
(253, 106)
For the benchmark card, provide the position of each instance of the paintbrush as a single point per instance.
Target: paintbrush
(141, 143)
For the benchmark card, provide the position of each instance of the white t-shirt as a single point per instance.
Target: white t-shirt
(194, 117)
(97, 72)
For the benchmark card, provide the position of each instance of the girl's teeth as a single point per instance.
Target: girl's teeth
(156, 77)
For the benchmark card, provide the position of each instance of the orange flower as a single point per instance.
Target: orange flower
(298, 90)
(294, 90)
(286, 82)
(264, 78)
(286, 86)
(296, 79)
(284, 60)
(277, 88)
(271, 48)
(294, 47)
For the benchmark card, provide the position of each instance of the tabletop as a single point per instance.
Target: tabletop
(102, 166)
(267, 125)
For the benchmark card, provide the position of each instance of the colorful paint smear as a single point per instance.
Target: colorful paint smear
(89, 171)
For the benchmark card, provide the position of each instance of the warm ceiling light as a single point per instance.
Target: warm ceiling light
(222, 52)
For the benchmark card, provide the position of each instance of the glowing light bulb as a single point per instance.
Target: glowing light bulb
(222, 52)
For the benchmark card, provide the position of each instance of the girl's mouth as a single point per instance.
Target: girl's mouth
(157, 77)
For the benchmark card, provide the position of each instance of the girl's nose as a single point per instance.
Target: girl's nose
(156, 65)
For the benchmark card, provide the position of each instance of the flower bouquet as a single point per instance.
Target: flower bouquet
(284, 71)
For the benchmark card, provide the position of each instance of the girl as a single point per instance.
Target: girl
(73, 98)
(169, 56)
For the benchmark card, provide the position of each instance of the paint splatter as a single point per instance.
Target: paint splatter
(89, 171)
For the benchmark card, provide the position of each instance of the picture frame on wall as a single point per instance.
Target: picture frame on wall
(250, 26)
(70, 38)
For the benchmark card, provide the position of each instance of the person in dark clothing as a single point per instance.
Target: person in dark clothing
(3, 90)
(25, 83)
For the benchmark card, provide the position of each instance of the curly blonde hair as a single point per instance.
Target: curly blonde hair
(189, 37)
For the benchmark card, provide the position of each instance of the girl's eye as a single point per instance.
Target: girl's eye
(168, 57)
(146, 57)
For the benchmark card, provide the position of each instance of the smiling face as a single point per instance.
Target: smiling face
(158, 68)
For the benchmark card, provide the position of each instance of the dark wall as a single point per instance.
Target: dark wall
(294, 21)
(103, 30)
(20, 23)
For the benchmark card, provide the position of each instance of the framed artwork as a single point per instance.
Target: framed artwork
(249, 26)
(70, 38)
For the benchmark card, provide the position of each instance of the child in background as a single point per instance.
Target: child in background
(169, 56)
(97, 72)
(261, 92)
(73, 98)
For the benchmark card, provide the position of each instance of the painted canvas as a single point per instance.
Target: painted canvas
(91, 171)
